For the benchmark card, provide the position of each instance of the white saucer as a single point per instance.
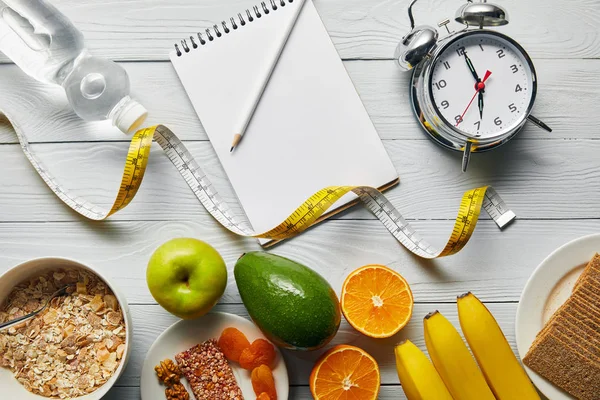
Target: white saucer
(187, 333)
(547, 289)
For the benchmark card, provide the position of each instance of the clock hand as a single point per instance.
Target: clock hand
(471, 67)
(480, 86)
(481, 104)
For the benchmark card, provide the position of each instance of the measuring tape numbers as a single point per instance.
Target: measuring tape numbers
(301, 219)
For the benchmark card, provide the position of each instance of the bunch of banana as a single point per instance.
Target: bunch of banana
(454, 373)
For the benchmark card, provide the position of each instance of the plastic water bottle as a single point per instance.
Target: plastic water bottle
(47, 46)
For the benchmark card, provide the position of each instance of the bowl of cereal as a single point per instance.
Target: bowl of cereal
(77, 347)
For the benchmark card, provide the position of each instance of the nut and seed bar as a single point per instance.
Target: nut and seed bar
(208, 372)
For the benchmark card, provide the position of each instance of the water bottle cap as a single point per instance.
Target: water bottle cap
(130, 116)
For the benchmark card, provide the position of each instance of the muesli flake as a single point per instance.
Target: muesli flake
(74, 346)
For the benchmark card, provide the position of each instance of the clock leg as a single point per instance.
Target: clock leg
(539, 123)
(466, 156)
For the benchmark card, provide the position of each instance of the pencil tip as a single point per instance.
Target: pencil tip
(236, 140)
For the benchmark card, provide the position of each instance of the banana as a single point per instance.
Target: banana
(501, 369)
(453, 361)
(419, 379)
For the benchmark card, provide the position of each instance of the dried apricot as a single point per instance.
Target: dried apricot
(232, 342)
(263, 382)
(260, 352)
(263, 396)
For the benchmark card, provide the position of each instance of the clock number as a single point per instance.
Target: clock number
(458, 119)
(446, 65)
(500, 53)
(512, 107)
(514, 68)
(440, 85)
(480, 46)
(478, 123)
(518, 88)
(461, 51)
(445, 104)
(498, 121)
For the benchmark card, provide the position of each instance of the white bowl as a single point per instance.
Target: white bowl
(11, 388)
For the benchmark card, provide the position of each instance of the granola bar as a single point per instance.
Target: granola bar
(74, 346)
(208, 373)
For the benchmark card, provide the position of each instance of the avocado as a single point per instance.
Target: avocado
(293, 306)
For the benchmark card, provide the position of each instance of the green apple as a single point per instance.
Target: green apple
(186, 277)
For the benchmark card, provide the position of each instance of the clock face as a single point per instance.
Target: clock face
(482, 84)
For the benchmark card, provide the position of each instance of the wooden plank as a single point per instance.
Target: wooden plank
(495, 265)
(566, 97)
(150, 321)
(296, 393)
(393, 392)
(135, 30)
(537, 178)
(123, 393)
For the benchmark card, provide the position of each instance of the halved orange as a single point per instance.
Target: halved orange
(345, 373)
(377, 301)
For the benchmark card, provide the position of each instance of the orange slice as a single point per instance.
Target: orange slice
(377, 301)
(345, 373)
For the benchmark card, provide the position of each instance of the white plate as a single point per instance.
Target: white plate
(187, 333)
(547, 289)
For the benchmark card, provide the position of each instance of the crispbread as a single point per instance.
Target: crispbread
(583, 306)
(577, 349)
(592, 295)
(591, 282)
(594, 263)
(586, 303)
(578, 376)
(549, 324)
(566, 341)
(577, 334)
(581, 318)
(579, 337)
(579, 324)
(588, 296)
(592, 266)
(589, 277)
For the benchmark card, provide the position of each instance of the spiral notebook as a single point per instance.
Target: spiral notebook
(310, 129)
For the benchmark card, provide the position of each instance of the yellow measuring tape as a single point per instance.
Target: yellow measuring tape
(301, 219)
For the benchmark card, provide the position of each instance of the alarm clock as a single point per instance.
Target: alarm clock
(474, 89)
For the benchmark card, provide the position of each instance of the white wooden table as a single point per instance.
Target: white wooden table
(551, 181)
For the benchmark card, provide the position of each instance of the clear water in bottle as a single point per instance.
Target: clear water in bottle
(42, 41)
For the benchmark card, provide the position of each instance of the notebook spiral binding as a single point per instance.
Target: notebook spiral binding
(251, 14)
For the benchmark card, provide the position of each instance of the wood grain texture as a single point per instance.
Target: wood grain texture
(495, 264)
(567, 96)
(147, 29)
(549, 180)
(392, 392)
(537, 178)
(150, 321)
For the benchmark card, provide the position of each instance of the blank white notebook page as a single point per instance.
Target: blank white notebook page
(310, 129)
